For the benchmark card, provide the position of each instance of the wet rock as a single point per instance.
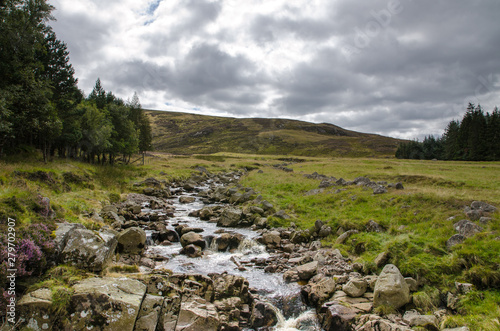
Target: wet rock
(391, 288)
(230, 217)
(187, 199)
(336, 317)
(455, 240)
(106, 303)
(131, 241)
(263, 315)
(197, 313)
(149, 314)
(89, 250)
(191, 251)
(308, 270)
(355, 287)
(193, 238)
(467, 228)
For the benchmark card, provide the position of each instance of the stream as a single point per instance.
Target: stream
(285, 297)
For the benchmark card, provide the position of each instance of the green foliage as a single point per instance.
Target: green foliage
(475, 138)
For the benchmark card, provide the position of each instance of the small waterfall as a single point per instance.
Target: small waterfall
(250, 246)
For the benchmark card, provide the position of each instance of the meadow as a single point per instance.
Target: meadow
(416, 221)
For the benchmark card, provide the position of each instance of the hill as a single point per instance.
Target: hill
(182, 133)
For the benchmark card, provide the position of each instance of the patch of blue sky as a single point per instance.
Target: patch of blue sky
(153, 6)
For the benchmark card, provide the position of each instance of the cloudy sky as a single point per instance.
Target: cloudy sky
(400, 68)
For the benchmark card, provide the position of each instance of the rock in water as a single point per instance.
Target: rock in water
(391, 288)
(263, 315)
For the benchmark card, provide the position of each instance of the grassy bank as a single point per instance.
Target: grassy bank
(416, 221)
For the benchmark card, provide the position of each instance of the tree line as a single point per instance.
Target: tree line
(41, 105)
(475, 138)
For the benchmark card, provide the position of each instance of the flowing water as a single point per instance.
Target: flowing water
(292, 313)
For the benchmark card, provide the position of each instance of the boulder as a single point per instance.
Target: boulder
(62, 232)
(483, 206)
(336, 317)
(227, 286)
(193, 238)
(263, 315)
(149, 314)
(106, 304)
(187, 199)
(391, 288)
(87, 249)
(316, 293)
(467, 228)
(474, 215)
(35, 309)
(132, 241)
(375, 322)
(197, 314)
(355, 287)
(308, 270)
(429, 322)
(230, 217)
(271, 238)
(191, 251)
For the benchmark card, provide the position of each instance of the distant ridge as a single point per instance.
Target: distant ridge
(183, 133)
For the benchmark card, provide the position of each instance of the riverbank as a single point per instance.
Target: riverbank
(286, 236)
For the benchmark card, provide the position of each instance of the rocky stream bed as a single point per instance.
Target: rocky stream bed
(208, 262)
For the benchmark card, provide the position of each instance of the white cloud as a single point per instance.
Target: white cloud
(288, 58)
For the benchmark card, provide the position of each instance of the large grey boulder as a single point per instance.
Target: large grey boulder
(149, 314)
(132, 241)
(62, 233)
(89, 250)
(271, 238)
(355, 287)
(316, 293)
(193, 238)
(106, 304)
(230, 217)
(391, 288)
(197, 314)
(483, 206)
(35, 309)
